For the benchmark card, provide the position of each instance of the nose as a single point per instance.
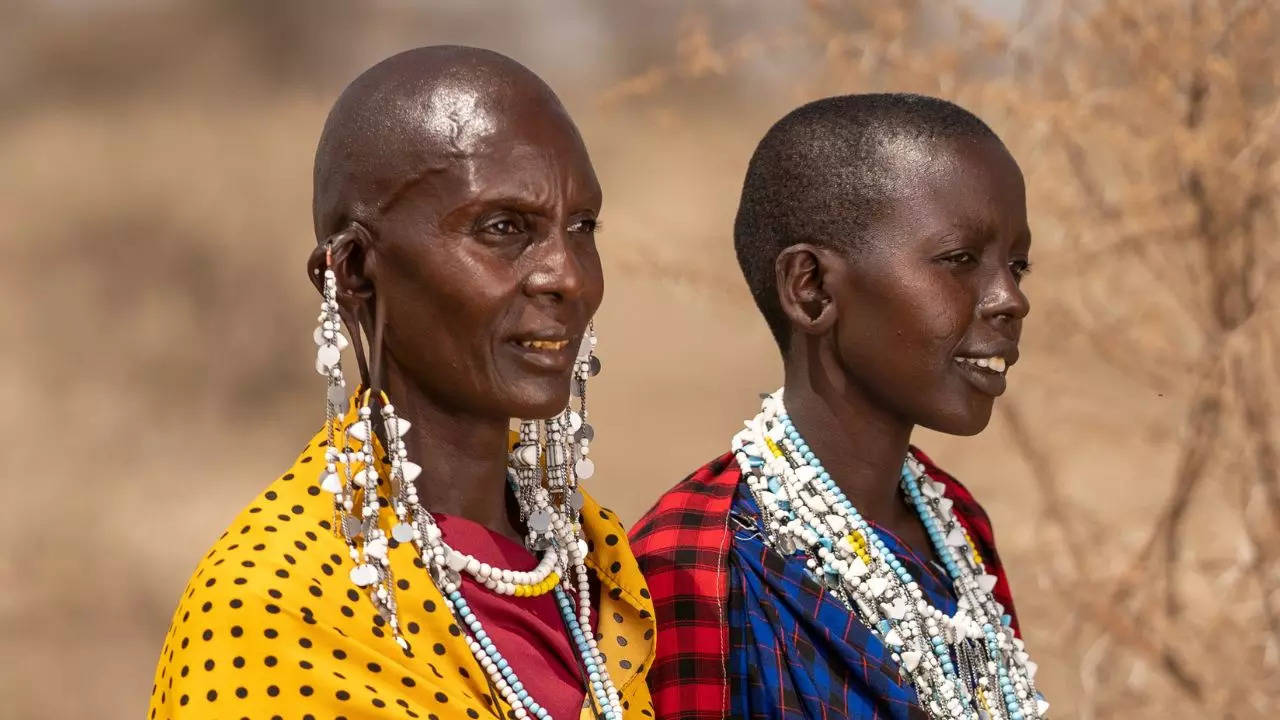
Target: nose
(556, 272)
(1003, 300)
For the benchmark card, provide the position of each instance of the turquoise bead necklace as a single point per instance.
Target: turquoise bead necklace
(967, 666)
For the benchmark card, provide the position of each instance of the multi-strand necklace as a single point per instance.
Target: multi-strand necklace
(352, 475)
(965, 666)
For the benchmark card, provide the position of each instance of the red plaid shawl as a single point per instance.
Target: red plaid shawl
(682, 544)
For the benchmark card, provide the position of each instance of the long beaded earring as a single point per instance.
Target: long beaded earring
(366, 542)
(330, 343)
(526, 475)
(580, 429)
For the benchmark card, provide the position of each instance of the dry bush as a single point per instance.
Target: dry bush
(157, 177)
(1149, 132)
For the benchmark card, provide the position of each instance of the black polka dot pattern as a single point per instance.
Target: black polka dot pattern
(270, 620)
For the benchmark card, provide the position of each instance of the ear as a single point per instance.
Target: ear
(800, 273)
(346, 252)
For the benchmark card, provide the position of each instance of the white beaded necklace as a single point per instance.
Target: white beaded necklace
(967, 666)
(559, 539)
(553, 526)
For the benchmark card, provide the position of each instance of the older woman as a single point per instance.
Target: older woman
(824, 567)
(413, 562)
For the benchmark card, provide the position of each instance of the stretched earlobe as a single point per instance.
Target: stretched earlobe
(344, 254)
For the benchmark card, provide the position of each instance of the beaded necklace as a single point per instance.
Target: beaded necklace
(354, 478)
(966, 666)
(554, 533)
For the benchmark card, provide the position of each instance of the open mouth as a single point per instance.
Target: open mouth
(986, 374)
(552, 345)
(993, 364)
(545, 354)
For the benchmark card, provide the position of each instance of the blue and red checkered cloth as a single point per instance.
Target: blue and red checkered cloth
(744, 632)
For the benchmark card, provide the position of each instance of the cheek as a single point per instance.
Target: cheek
(592, 277)
(931, 317)
(445, 309)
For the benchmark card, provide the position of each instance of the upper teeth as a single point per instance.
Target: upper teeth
(995, 363)
(544, 344)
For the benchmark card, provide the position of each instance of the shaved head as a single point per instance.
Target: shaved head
(411, 116)
(456, 204)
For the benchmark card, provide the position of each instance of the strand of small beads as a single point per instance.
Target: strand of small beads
(803, 509)
(559, 542)
(564, 548)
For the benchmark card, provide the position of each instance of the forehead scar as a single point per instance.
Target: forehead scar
(405, 186)
(456, 116)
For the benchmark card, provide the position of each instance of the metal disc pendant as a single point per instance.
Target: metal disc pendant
(364, 574)
(575, 421)
(586, 432)
(593, 366)
(351, 526)
(402, 532)
(338, 398)
(540, 521)
(585, 468)
(576, 500)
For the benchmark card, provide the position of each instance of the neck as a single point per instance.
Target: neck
(858, 442)
(463, 457)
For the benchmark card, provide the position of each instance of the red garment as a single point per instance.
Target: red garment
(682, 544)
(529, 632)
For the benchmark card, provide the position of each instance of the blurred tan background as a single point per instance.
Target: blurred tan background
(156, 158)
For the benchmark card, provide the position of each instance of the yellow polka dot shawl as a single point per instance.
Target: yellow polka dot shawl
(270, 625)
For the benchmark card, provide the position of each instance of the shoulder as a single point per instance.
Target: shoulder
(682, 543)
(279, 551)
(271, 618)
(685, 514)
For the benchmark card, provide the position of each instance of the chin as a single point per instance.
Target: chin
(539, 400)
(963, 422)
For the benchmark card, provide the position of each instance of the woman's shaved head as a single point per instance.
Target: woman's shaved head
(410, 116)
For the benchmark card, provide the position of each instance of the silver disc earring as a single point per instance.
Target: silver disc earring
(586, 367)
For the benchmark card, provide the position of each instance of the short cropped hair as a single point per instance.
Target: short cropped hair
(824, 172)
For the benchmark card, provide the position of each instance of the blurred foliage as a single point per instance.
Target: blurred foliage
(156, 188)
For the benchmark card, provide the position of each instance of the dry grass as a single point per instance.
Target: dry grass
(156, 191)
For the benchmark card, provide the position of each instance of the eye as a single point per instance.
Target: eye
(585, 225)
(1020, 268)
(961, 258)
(503, 226)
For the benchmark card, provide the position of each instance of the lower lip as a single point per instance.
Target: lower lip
(985, 381)
(546, 359)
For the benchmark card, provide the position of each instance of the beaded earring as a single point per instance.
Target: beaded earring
(587, 366)
(564, 443)
(330, 343)
(351, 473)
